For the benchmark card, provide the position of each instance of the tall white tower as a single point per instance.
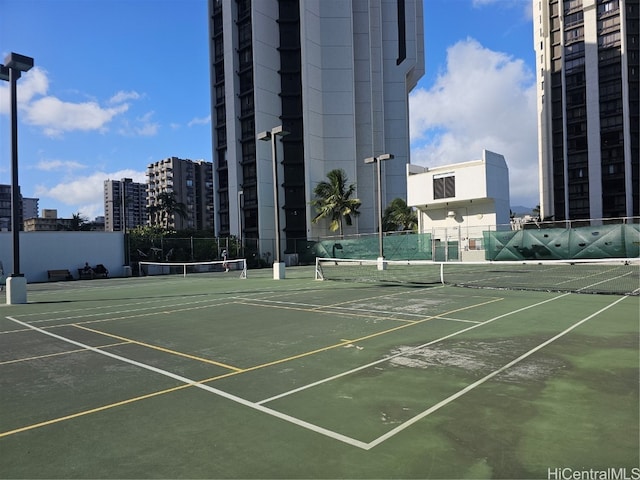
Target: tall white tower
(336, 75)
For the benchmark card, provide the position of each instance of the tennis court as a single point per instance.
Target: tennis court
(213, 376)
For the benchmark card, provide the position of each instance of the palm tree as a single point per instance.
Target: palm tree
(399, 217)
(166, 206)
(78, 222)
(334, 200)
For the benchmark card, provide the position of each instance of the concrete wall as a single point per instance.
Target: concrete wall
(42, 251)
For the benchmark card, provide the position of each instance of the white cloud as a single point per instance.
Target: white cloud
(484, 100)
(147, 130)
(33, 83)
(52, 165)
(57, 117)
(122, 96)
(86, 193)
(143, 126)
(200, 121)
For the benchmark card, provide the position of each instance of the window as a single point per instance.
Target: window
(246, 81)
(573, 35)
(608, 7)
(573, 19)
(246, 57)
(609, 40)
(244, 34)
(221, 114)
(219, 93)
(444, 186)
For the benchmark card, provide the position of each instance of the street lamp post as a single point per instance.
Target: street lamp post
(278, 266)
(14, 65)
(380, 158)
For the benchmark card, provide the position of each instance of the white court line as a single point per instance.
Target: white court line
(488, 377)
(386, 359)
(188, 381)
(323, 431)
(605, 281)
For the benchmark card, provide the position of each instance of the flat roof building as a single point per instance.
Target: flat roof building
(457, 202)
(191, 183)
(125, 205)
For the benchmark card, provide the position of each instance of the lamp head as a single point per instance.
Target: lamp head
(380, 158)
(18, 62)
(4, 73)
(279, 130)
(264, 136)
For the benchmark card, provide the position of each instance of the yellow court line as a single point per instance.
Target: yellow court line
(93, 410)
(366, 337)
(161, 349)
(226, 375)
(38, 357)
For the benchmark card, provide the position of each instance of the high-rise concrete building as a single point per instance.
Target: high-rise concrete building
(30, 207)
(191, 184)
(125, 205)
(6, 209)
(588, 108)
(336, 75)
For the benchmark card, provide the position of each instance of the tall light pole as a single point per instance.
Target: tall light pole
(278, 266)
(377, 160)
(240, 197)
(14, 65)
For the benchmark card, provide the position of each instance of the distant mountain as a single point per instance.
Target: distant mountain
(520, 210)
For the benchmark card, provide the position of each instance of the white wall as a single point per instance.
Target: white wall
(42, 251)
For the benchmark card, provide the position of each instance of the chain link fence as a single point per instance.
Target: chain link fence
(598, 238)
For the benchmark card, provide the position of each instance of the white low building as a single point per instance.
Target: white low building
(457, 202)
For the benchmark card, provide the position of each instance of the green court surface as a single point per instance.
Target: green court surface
(213, 376)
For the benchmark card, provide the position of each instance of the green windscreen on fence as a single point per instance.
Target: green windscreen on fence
(604, 241)
(404, 246)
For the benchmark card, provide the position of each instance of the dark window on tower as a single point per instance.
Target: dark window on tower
(402, 33)
(244, 34)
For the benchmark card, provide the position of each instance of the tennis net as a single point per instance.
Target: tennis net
(611, 276)
(238, 266)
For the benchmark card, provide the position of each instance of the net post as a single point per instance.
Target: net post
(318, 272)
(243, 274)
(442, 273)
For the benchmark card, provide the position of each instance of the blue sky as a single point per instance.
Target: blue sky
(119, 84)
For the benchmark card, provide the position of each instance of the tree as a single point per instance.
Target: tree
(78, 222)
(399, 217)
(165, 207)
(334, 200)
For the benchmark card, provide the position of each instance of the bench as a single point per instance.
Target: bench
(55, 275)
(84, 275)
(99, 271)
